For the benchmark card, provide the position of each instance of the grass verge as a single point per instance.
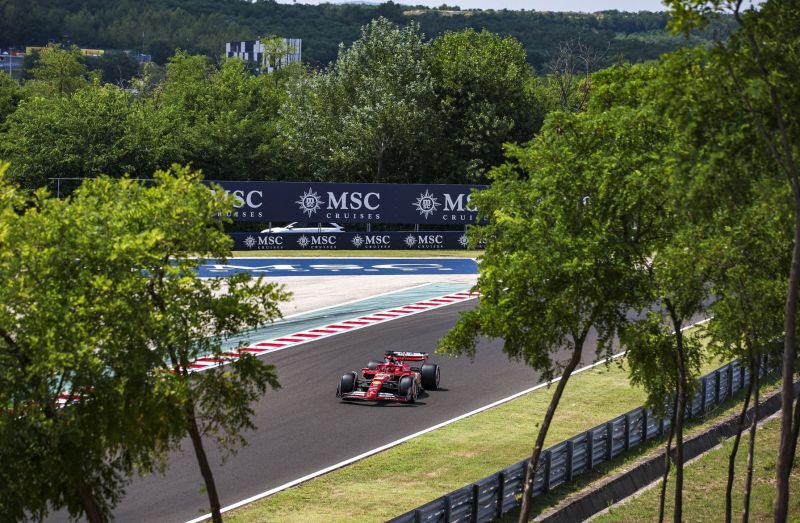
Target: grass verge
(705, 480)
(404, 477)
(589, 480)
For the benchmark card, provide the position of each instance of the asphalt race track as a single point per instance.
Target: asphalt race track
(303, 427)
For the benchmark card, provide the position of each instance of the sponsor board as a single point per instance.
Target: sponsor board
(365, 241)
(351, 202)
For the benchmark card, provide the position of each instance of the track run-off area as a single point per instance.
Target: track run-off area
(303, 429)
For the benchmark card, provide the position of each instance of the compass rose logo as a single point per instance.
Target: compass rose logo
(303, 241)
(309, 202)
(410, 240)
(250, 242)
(358, 241)
(463, 240)
(426, 204)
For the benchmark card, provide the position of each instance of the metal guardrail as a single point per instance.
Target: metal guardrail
(491, 497)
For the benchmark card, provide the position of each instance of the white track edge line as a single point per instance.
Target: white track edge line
(387, 446)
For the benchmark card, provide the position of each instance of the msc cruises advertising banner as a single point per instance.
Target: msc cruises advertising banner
(366, 241)
(351, 202)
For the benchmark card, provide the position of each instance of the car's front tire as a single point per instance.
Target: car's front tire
(347, 384)
(430, 376)
(407, 389)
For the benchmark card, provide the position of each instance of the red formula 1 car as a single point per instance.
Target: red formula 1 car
(393, 379)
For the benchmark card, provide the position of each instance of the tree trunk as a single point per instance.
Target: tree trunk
(530, 473)
(678, 513)
(679, 411)
(795, 427)
(89, 503)
(735, 450)
(783, 152)
(787, 447)
(379, 157)
(667, 461)
(202, 460)
(751, 447)
(191, 418)
(88, 500)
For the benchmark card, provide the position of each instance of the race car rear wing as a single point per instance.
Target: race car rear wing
(406, 356)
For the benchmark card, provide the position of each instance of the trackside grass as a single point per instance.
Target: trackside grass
(704, 485)
(589, 480)
(404, 477)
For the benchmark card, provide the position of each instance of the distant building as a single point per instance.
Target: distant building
(139, 57)
(96, 53)
(11, 61)
(253, 51)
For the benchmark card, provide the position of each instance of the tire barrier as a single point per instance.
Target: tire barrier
(491, 497)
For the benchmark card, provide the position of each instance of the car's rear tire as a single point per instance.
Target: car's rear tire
(407, 389)
(347, 384)
(372, 365)
(430, 376)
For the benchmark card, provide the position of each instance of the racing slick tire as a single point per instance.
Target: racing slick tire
(430, 376)
(407, 389)
(347, 384)
(372, 365)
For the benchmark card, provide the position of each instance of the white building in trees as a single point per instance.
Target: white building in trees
(263, 52)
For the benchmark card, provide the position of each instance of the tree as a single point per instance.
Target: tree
(677, 287)
(726, 193)
(367, 117)
(10, 96)
(227, 116)
(191, 318)
(651, 357)
(100, 129)
(88, 391)
(71, 339)
(567, 83)
(222, 120)
(60, 71)
(483, 85)
(566, 226)
(762, 65)
(115, 67)
(661, 361)
(751, 257)
(275, 51)
(733, 194)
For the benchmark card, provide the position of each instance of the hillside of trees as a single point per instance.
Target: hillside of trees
(158, 27)
(391, 108)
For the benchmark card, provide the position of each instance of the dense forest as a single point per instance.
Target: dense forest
(391, 108)
(158, 27)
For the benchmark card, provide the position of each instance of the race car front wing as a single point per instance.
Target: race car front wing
(381, 396)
